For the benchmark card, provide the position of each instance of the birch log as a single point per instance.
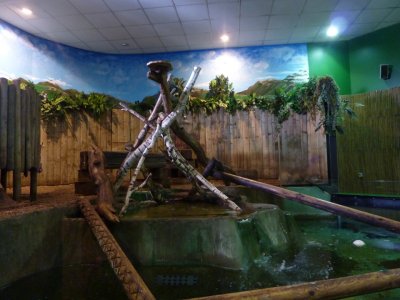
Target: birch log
(135, 155)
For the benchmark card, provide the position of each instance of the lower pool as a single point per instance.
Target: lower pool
(327, 250)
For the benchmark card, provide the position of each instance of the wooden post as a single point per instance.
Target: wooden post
(3, 179)
(36, 137)
(334, 208)
(17, 143)
(336, 288)
(3, 122)
(10, 127)
(28, 131)
(23, 123)
(33, 184)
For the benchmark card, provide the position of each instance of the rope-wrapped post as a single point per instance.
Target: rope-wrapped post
(134, 286)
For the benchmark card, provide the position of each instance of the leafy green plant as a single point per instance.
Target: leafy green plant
(221, 94)
(57, 103)
(317, 95)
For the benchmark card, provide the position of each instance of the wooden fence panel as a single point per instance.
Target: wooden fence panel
(247, 141)
(368, 152)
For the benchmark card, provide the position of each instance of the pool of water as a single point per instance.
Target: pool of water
(78, 282)
(327, 251)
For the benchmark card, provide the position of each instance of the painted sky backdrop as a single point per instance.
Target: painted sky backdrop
(124, 76)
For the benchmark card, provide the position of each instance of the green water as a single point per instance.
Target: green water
(78, 282)
(327, 251)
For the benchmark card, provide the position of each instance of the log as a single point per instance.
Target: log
(11, 127)
(336, 288)
(28, 132)
(23, 123)
(3, 122)
(134, 286)
(17, 143)
(96, 165)
(334, 208)
(36, 132)
(181, 133)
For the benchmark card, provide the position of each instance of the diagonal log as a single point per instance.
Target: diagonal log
(337, 288)
(153, 115)
(134, 286)
(193, 175)
(136, 154)
(334, 208)
(139, 166)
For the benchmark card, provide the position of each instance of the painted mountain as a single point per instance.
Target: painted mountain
(263, 87)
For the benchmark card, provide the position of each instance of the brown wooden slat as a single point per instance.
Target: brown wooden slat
(11, 126)
(17, 142)
(3, 122)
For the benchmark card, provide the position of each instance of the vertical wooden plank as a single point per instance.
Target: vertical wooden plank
(235, 131)
(28, 130)
(3, 122)
(257, 148)
(76, 124)
(36, 149)
(245, 139)
(240, 141)
(63, 152)
(17, 143)
(42, 177)
(37, 130)
(49, 171)
(218, 135)
(11, 127)
(23, 124)
(202, 133)
(317, 169)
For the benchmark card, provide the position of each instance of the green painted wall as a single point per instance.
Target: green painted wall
(330, 59)
(366, 53)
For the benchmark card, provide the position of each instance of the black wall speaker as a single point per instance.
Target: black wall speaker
(385, 71)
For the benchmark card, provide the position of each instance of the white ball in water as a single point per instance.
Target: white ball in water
(358, 243)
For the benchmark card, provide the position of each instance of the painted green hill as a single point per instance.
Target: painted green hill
(263, 87)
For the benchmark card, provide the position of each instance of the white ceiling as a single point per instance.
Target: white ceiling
(148, 26)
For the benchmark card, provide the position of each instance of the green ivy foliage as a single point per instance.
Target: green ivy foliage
(57, 103)
(317, 95)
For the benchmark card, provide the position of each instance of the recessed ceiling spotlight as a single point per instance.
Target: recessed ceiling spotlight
(332, 31)
(224, 38)
(26, 11)
(125, 44)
